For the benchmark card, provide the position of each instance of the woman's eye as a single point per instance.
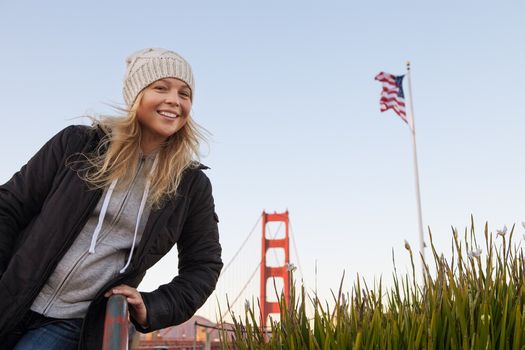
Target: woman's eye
(159, 87)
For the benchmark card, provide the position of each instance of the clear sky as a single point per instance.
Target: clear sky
(287, 90)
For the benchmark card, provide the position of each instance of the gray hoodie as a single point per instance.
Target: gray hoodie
(100, 250)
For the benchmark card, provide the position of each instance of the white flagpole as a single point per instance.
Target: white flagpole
(416, 171)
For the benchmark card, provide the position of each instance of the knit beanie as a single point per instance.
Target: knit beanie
(149, 65)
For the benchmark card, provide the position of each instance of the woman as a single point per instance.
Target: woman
(97, 206)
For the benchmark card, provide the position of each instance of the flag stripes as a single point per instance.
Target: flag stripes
(392, 96)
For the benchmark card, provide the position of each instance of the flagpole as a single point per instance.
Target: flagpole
(416, 171)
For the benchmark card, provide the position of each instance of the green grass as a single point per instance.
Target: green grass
(475, 300)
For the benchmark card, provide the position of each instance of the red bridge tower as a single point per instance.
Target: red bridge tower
(270, 272)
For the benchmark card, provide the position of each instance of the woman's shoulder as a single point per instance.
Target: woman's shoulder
(196, 176)
(81, 130)
(196, 169)
(77, 137)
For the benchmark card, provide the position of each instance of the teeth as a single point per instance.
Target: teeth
(168, 114)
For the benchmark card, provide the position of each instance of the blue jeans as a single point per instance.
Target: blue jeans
(58, 334)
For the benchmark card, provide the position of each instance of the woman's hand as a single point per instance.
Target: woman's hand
(137, 308)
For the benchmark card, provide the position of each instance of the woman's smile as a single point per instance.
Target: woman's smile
(167, 114)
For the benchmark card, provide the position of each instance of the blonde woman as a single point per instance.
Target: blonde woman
(97, 206)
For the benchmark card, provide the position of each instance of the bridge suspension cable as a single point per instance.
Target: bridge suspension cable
(242, 246)
(230, 306)
(295, 249)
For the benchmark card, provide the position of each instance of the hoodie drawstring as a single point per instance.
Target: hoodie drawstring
(141, 209)
(101, 216)
(139, 215)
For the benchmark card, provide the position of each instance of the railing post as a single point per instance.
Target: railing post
(195, 336)
(116, 324)
(208, 341)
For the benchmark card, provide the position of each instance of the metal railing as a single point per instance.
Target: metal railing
(116, 324)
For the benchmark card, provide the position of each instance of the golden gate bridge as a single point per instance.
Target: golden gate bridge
(238, 286)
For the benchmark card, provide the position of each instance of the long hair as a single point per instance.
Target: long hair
(117, 155)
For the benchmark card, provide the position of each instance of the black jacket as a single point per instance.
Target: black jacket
(44, 206)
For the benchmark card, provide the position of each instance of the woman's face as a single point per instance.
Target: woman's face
(163, 110)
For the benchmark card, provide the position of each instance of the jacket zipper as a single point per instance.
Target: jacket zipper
(128, 191)
(76, 264)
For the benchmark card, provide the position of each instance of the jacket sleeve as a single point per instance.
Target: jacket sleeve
(22, 197)
(199, 265)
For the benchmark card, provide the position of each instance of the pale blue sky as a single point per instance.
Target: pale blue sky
(287, 90)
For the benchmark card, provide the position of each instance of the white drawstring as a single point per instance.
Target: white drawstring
(141, 209)
(101, 216)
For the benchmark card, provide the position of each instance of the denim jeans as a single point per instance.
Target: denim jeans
(40, 332)
(59, 335)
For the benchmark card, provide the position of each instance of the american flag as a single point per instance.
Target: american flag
(392, 96)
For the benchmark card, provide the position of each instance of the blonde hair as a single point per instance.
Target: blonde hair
(117, 155)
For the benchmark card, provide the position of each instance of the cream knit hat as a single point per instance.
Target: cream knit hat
(149, 65)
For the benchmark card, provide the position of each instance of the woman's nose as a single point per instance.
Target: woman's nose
(173, 99)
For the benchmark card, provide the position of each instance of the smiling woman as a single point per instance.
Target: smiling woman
(163, 110)
(137, 190)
